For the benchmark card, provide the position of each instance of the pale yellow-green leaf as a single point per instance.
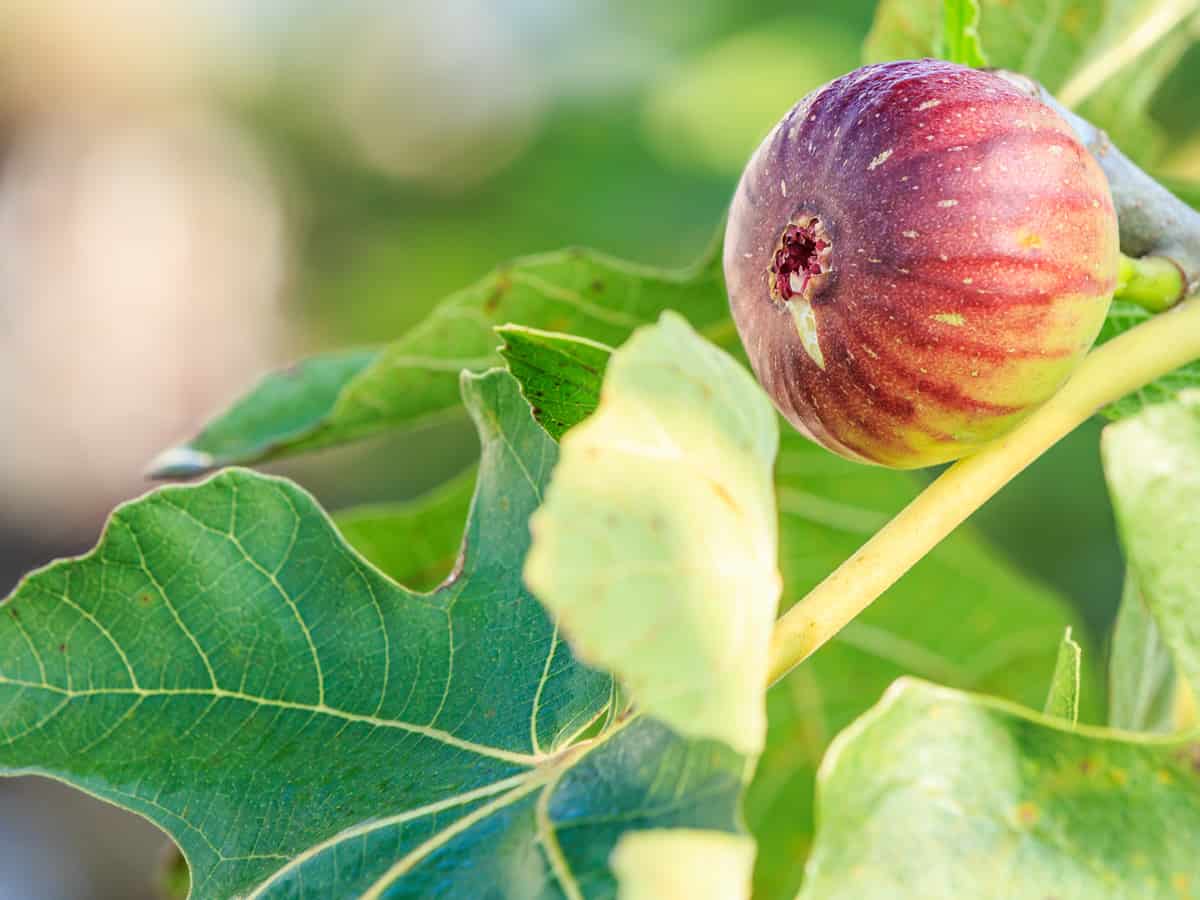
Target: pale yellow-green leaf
(656, 544)
(683, 864)
(1152, 462)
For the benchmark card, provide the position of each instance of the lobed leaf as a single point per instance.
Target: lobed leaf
(656, 544)
(226, 666)
(414, 381)
(935, 793)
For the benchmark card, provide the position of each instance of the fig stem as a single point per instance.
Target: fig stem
(1154, 283)
(1116, 368)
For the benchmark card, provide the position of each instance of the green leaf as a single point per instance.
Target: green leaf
(1151, 462)
(1123, 316)
(1080, 50)
(962, 616)
(1044, 41)
(226, 666)
(660, 521)
(414, 381)
(935, 793)
(559, 374)
(1141, 673)
(960, 33)
(414, 543)
(683, 864)
(1063, 699)
(279, 409)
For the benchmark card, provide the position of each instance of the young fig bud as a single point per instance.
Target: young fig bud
(917, 256)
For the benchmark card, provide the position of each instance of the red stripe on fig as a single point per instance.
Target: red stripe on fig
(917, 256)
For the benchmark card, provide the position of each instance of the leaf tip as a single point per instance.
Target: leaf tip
(179, 462)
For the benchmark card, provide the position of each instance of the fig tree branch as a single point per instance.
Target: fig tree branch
(1124, 364)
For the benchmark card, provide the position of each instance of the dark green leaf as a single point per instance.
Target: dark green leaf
(225, 665)
(1141, 673)
(934, 793)
(414, 381)
(560, 374)
(1062, 701)
(960, 33)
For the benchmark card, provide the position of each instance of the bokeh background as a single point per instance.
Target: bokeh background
(192, 193)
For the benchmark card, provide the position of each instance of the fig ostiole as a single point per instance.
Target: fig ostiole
(917, 256)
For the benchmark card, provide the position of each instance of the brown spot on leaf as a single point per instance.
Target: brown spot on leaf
(1190, 756)
(726, 497)
(502, 287)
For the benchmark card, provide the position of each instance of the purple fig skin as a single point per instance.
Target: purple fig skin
(917, 256)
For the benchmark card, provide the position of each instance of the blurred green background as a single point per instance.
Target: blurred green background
(193, 193)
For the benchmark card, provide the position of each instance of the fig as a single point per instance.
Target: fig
(917, 256)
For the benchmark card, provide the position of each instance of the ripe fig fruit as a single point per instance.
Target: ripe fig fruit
(917, 256)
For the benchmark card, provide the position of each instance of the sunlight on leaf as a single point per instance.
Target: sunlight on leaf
(1141, 673)
(1152, 462)
(683, 864)
(657, 541)
(935, 793)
